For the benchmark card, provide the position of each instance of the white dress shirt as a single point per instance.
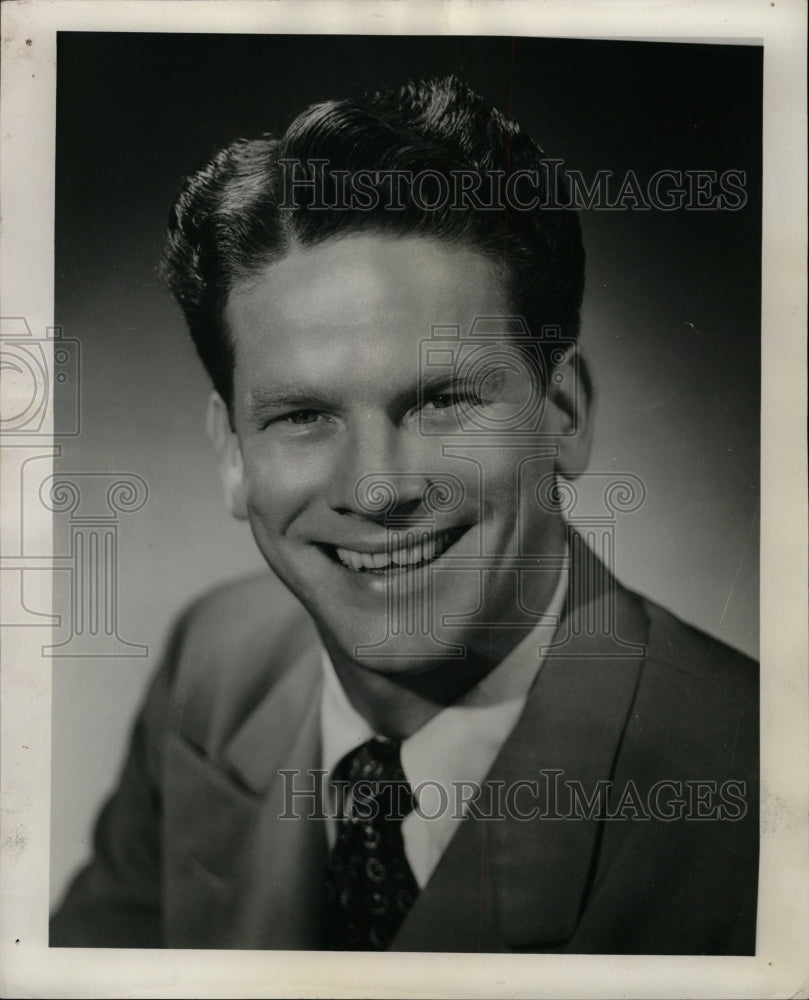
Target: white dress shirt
(458, 745)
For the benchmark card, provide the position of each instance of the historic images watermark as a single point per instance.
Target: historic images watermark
(553, 186)
(549, 795)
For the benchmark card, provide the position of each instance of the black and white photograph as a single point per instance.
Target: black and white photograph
(391, 504)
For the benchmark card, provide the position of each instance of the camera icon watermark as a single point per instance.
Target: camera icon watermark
(34, 370)
(499, 372)
(41, 403)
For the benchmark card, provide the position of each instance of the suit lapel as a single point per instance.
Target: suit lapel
(248, 877)
(570, 731)
(265, 741)
(518, 882)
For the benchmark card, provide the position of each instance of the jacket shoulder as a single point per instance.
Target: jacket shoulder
(697, 702)
(239, 611)
(675, 646)
(229, 649)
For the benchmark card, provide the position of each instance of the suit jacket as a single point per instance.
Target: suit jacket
(190, 851)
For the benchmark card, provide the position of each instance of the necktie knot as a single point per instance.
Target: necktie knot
(375, 787)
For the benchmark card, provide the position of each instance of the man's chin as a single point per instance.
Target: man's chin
(386, 652)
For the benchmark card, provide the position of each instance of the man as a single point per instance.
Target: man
(466, 735)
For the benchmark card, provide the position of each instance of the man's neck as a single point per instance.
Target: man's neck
(398, 704)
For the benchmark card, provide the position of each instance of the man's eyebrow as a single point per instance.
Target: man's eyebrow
(430, 384)
(436, 382)
(262, 400)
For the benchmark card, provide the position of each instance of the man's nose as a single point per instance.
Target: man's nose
(377, 474)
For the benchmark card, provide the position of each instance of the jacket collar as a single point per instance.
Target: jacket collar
(271, 736)
(570, 732)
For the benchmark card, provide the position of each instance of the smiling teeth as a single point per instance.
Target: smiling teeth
(425, 550)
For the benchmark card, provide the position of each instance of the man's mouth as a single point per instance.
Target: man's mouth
(407, 550)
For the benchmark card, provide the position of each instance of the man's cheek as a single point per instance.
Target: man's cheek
(277, 484)
(500, 482)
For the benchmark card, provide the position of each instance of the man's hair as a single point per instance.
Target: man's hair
(240, 212)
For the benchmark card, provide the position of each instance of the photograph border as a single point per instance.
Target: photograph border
(780, 967)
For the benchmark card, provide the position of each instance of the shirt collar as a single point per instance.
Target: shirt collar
(342, 728)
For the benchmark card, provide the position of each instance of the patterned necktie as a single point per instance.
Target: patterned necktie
(369, 884)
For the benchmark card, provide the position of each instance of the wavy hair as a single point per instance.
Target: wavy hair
(233, 217)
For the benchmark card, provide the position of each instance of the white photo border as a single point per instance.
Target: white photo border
(781, 966)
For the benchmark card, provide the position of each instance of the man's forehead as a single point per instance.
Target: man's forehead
(334, 282)
(355, 310)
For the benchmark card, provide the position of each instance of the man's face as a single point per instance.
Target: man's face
(332, 396)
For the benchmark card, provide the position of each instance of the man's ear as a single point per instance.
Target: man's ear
(226, 445)
(571, 393)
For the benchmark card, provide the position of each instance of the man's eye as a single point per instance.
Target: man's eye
(446, 400)
(442, 402)
(302, 417)
(311, 422)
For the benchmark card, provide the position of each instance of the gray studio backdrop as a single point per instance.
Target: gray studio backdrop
(671, 322)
